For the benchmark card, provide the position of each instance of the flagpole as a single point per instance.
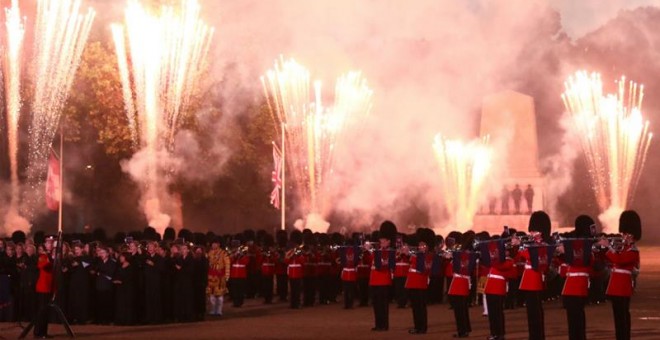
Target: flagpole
(61, 198)
(283, 165)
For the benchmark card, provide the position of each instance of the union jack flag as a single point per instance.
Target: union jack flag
(276, 178)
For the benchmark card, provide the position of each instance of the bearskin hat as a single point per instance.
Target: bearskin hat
(467, 240)
(412, 239)
(18, 236)
(169, 234)
(583, 225)
(388, 230)
(337, 238)
(540, 222)
(309, 239)
(296, 237)
(630, 223)
(427, 236)
(324, 239)
(456, 236)
(281, 237)
(268, 240)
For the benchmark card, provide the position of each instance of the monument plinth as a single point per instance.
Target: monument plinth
(509, 119)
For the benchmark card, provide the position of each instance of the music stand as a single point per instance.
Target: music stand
(52, 306)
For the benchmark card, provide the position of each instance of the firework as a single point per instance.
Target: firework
(613, 134)
(464, 168)
(61, 32)
(312, 131)
(12, 53)
(160, 60)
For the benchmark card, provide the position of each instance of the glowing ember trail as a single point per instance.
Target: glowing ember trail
(313, 132)
(61, 33)
(160, 62)
(12, 53)
(463, 171)
(614, 137)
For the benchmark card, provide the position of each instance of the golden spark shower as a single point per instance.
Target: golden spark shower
(160, 58)
(464, 168)
(60, 34)
(614, 136)
(313, 132)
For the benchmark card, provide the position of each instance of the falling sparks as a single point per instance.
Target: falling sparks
(12, 55)
(61, 32)
(464, 168)
(160, 58)
(312, 131)
(614, 136)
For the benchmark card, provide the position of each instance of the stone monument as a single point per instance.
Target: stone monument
(509, 119)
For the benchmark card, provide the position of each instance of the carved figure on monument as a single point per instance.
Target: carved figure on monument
(529, 197)
(505, 201)
(517, 197)
(492, 203)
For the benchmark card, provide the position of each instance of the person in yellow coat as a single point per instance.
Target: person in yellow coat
(218, 276)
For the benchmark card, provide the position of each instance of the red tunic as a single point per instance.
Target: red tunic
(280, 264)
(533, 279)
(268, 264)
(460, 282)
(415, 278)
(309, 267)
(324, 264)
(45, 280)
(496, 281)
(623, 264)
(578, 270)
(239, 267)
(402, 265)
(294, 269)
(382, 276)
(364, 267)
(349, 271)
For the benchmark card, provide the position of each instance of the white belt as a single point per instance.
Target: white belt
(462, 276)
(528, 266)
(238, 265)
(363, 265)
(349, 269)
(577, 274)
(294, 265)
(413, 270)
(499, 277)
(402, 264)
(621, 271)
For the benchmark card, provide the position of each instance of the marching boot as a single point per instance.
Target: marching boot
(213, 303)
(218, 305)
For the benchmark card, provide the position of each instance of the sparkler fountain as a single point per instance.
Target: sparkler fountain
(12, 50)
(160, 58)
(464, 168)
(614, 138)
(59, 39)
(313, 132)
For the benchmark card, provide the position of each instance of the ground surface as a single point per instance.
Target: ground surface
(255, 320)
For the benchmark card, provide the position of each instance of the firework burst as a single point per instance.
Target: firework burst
(464, 168)
(161, 58)
(312, 131)
(61, 32)
(613, 134)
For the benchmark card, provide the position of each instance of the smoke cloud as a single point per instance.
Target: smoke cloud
(430, 64)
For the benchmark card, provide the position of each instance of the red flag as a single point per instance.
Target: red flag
(276, 178)
(53, 189)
